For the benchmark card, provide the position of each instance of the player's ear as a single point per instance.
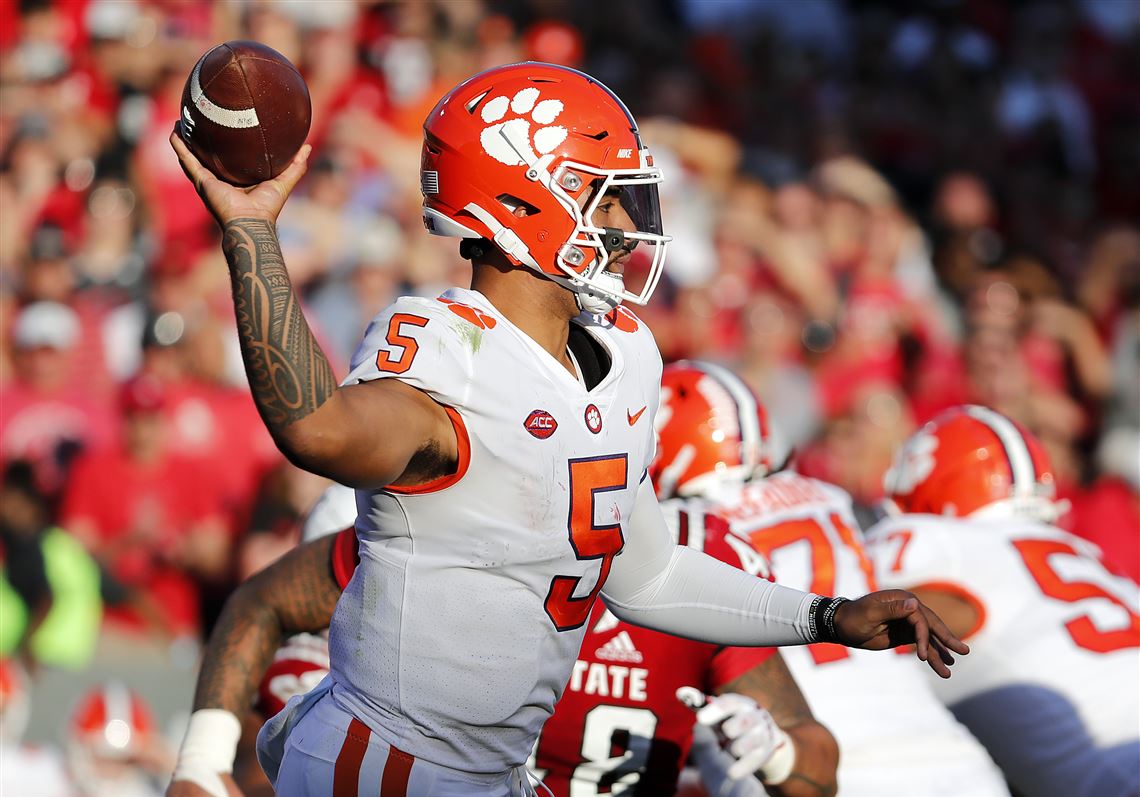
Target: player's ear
(520, 212)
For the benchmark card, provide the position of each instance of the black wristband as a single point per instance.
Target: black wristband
(822, 618)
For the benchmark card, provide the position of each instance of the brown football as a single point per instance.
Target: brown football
(245, 112)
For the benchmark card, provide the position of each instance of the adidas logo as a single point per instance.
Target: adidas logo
(620, 648)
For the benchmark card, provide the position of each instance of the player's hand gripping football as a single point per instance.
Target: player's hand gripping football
(893, 617)
(227, 202)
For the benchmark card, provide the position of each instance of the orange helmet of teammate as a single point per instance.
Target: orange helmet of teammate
(556, 143)
(973, 461)
(711, 431)
(110, 737)
(14, 702)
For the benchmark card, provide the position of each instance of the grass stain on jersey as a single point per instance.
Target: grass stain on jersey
(471, 335)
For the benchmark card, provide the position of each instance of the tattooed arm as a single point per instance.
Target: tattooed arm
(817, 754)
(295, 594)
(349, 433)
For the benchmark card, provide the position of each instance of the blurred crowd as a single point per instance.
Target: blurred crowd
(880, 210)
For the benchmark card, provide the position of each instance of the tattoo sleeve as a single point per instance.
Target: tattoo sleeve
(297, 593)
(288, 373)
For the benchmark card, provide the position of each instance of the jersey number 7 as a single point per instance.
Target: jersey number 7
(588, 477)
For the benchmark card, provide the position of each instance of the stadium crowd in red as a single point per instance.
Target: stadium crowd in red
(879, 211)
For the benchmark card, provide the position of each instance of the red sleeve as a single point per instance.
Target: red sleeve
(345, 556)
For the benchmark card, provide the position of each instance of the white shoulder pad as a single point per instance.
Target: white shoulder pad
(426, 343)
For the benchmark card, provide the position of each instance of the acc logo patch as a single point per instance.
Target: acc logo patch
(593, 419)
(541, 424)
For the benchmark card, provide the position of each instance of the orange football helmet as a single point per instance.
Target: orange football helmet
(540, 136)
(712, 431)
(107, 734)
(14, 702)
(973, 461)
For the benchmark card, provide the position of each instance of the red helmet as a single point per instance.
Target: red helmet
(711, 430)
(542, 137)
(973, 461)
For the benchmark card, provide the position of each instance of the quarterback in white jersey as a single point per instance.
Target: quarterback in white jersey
(714, 444)
(498, 439)
(1052, 686)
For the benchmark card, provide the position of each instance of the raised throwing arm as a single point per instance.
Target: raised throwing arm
(361, 435)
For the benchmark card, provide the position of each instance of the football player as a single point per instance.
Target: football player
(1052, 687)
(498, 439)
(619, 727)
(889, 725)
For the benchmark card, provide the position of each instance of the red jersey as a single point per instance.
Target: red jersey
(619, 725)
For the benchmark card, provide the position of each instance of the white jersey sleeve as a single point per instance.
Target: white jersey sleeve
(426, 343)
(675, 589)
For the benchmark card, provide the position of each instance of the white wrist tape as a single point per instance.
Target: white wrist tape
(208, 749)
(777, 768)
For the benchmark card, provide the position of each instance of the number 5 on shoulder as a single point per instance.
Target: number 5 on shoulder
(407, 345)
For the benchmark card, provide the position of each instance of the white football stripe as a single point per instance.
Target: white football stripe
(1020, 460)
(215, 113)
(746, 408)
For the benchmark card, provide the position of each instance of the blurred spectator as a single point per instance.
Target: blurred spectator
(46, 415)
(53, 606)
(285, 496)
(152, 517)
(354, 293)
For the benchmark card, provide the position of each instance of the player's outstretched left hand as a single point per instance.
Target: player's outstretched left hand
(893, 617)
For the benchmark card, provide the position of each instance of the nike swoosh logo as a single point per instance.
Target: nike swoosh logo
(633, 417)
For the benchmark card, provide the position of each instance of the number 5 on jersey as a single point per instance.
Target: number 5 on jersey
(588, 477)
(406, 346)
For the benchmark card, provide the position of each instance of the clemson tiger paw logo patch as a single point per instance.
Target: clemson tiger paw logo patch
(526, 110)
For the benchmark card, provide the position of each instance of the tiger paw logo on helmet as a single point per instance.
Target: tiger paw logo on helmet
(527, 107)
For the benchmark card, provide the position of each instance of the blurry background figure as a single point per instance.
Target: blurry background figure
(46, 416)
(27, 769)
(152, 517)
(361, 286)
(51, 609)
(113, 746)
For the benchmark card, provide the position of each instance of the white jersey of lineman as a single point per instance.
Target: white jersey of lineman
(458, 631)
(891, 728)
(1052, 682)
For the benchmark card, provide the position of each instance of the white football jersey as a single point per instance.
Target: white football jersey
(459, 628)
(878, 705)
(1052, 682)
